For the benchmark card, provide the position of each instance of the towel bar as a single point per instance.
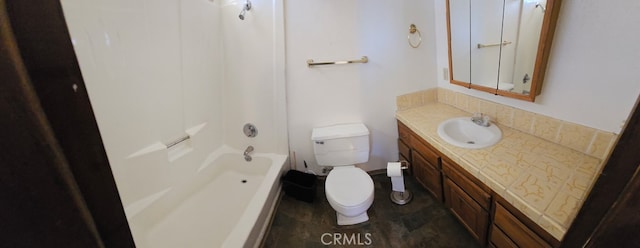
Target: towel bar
(364, 59)
(504, 43)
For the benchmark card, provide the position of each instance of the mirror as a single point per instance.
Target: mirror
(501, 46)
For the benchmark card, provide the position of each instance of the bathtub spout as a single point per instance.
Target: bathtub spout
(247, 157)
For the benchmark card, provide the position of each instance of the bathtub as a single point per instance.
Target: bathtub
(228, 203)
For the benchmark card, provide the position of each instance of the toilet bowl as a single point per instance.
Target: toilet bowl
(349, 191)
(348, 188)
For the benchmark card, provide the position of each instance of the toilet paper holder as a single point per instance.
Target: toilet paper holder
(402, 198)
(405, 165)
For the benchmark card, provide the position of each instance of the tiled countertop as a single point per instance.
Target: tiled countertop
(545, 181)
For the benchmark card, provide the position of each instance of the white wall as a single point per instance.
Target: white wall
(592, 77)
(326, 30)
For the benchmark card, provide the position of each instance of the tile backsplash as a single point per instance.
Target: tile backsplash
(587, 140)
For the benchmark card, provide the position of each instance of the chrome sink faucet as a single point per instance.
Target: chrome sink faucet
(247, 157)
(481, 119)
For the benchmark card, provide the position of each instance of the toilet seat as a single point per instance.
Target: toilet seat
(349, 190)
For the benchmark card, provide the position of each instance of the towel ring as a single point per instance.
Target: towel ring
(412, 30)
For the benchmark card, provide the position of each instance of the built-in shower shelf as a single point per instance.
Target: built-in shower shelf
(155, 147)
(195, 129)
(175, 149)
(178, 150)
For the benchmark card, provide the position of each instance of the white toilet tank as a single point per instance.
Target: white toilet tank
(344, 144)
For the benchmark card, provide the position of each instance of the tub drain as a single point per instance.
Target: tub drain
(244, 181)
(471, 142)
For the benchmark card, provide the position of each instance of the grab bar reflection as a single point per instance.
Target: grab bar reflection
(504, 43)
(364, 59)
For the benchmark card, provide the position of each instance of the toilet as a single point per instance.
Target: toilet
(348, 188)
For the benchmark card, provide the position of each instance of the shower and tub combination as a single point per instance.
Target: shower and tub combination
(167, 86)
(227, 203)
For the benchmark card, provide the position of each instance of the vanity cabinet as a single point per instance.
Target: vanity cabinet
(424, 161)
(427, 174)
(404, 151)
(509, 231)
(468, 202)
(487, 216)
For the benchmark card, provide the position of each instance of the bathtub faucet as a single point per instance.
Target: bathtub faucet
(247, 157)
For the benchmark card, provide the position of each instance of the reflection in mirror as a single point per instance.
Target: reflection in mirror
(486, 32)
(523, 22)
(500, 46)
(460, 57)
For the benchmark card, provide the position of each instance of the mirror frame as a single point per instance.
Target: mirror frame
(542, 56)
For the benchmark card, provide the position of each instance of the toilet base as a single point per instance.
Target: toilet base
(344, 220)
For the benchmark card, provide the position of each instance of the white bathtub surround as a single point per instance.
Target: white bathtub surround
(159, 71)
(174, 148)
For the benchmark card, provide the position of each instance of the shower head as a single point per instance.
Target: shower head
(247, 6)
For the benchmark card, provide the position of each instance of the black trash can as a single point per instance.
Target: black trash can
(300, 185)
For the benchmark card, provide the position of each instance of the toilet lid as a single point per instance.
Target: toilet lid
(349, 186)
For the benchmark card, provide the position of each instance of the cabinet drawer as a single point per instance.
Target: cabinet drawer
(404, 150)
(475, 192)
(500, 240)
(474, 218)
(515, 230)
(427, 175)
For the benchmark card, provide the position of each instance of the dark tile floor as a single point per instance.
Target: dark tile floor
(424, 222)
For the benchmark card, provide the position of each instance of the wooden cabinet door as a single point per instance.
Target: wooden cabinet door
(404, 154)
(404, 150)
(467, 210)
(472, 189)
(499, 239)
(518, 232)
(427, 175)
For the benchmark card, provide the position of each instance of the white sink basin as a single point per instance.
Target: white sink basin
(462, 132)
